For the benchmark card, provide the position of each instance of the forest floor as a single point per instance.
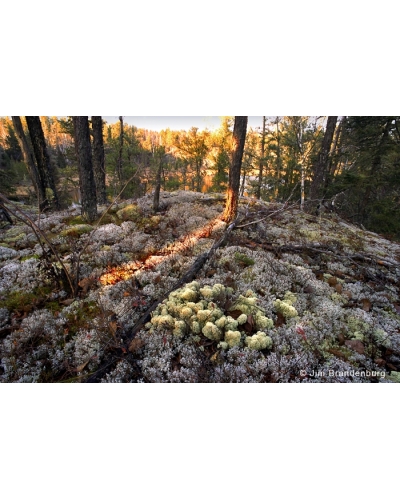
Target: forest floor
(289, 297)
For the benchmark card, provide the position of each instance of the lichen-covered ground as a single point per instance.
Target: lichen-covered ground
(290, 298)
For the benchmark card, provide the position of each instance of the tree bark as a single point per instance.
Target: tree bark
(86, 177)
(121, 143)
(239, 137)
(98, 160)
(262, 160)
(29, 159)
(321, 167)
(156, 199)
(45, 168)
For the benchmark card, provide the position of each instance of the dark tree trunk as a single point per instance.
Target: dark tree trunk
(86, 178)
(239, 138)
(45, 168)
(121, 143)
(334, 156)
(156, 199)
(98, 160)
(278, 158)
(29, 159)
(321, 167)
(262, 161)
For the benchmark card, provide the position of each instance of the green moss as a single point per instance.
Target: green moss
(53, 306)
(82, 316)
(18, 301)
(244, 260)
(130, 212)
(310, 234)
(25, 301)
(79, 219)
(76, 231)
(14, 239)
(27, 257)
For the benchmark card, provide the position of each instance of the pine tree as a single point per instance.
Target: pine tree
(239, 138)
(45, 168)
(98, 160)
(86, 177)
(29, 159)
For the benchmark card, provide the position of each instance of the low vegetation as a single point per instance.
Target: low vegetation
(289, 297)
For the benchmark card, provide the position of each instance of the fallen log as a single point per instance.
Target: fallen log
(111, 360)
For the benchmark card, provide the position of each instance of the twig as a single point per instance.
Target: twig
(39, 234)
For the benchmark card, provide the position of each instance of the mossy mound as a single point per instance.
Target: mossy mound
(76, 230)
(130, 212)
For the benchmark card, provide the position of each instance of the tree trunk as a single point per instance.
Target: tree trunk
(321, 167)
(45, 168)
(98, 160)
(86, 177)
(121, 143)
(278, 159)
(262, 160)
(334, 158)
(239, 137)
(156, 199)
(29, 159)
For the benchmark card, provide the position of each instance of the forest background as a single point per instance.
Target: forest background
(346, 164)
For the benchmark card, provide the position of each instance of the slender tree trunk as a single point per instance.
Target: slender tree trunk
(262, 160)
(198, 174)
(156, 199)
(239, 138)
(98, 160)
(45, 168)
(278, 158)
(86, 177)
(121, 144)
(321, 167)
(29, 159)
(334, 156)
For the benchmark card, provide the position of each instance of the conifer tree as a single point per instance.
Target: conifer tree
(98, 159)
(239, 138)
(45, 168)
(87, 184)
(29, 159)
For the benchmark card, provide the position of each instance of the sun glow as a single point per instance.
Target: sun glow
(184, 244)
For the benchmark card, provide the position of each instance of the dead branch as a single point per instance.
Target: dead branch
(186, 278)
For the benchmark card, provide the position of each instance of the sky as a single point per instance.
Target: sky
(158, 123)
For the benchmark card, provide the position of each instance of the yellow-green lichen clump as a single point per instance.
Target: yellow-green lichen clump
(194, 310)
